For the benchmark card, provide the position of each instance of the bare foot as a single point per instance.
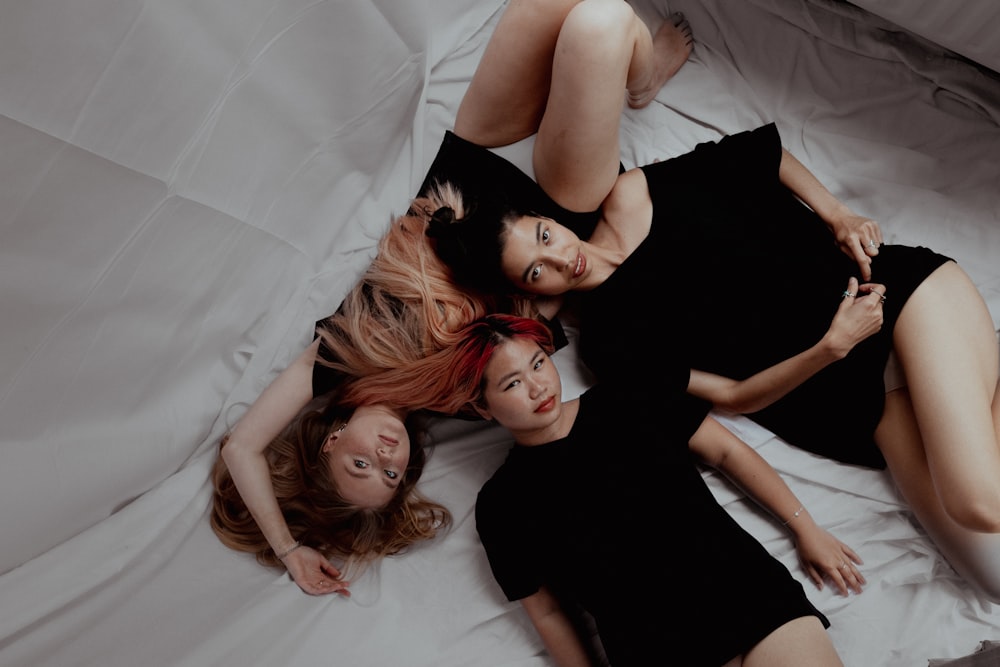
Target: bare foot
(672, 45)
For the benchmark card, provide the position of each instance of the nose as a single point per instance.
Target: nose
(536, 387)
(556, 260)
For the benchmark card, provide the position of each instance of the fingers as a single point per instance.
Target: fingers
(846, 576)
(326, 586)
(852, 288)
(865, 245)
(875, 290)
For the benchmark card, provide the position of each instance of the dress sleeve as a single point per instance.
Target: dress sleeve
(502, 531)
(739, 161)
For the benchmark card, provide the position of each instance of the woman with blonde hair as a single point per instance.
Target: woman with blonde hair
(339, 497)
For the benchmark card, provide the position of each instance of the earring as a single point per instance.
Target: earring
(342, 427)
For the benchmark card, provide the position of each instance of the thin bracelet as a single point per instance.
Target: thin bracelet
(289, 550)
(794, 517)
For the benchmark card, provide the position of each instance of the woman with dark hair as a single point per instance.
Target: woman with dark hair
(743, 254)
(570, 516)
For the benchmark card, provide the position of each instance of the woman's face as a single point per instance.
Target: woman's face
(522, 390)
(369, 455)
(541, 256)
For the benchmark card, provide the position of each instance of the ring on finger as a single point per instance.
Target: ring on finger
(847, 294)
(872, 244)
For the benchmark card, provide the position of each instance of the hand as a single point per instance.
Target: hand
(823, 554)
(314, 573)
(858, 316)
(859, 237)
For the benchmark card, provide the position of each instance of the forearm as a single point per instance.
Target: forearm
(796, 177)
(739, 462)
(558, 633)
(246, 447)
(764, 388)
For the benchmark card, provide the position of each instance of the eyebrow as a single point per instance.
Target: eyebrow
(538, 238)
(503, 379)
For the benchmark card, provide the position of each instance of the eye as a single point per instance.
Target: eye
(546, 235)
(512, 385)
(391, 474)
(535, 272)
(359, 463)
(539, 364)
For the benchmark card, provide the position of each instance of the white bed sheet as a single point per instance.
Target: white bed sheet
(187, 186)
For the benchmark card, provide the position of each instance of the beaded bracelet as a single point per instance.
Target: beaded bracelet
(794, 517)
(289, 550)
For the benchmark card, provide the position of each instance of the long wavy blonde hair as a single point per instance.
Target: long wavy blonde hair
(316, 513)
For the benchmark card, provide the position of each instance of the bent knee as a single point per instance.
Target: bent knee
(605, 19)
(979, 514)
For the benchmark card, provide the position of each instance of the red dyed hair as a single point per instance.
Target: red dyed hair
(452, 380)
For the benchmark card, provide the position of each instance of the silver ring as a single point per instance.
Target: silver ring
(872, 244)
(844, 566)
(847, 294)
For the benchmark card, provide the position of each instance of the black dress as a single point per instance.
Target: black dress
(736, 275)
(617, 518)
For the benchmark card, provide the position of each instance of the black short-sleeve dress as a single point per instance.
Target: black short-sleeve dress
(617, 518)
(736, 275)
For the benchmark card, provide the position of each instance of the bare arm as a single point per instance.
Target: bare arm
(245, 456)
(557, 632)
(856, 319)
(858, 236)
(819, 551)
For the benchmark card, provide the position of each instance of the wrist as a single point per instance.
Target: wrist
(800, 522)
(280, 554)
(831, 349)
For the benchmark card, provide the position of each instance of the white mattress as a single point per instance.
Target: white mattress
(187, 187)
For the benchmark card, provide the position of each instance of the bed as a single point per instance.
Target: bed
(187, 186)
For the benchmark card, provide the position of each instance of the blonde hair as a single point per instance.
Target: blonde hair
(405, 307)
(316, 514)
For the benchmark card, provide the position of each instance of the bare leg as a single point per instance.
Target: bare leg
(803, 641)
(604, 50)
(948, 351)
(974, 555)
(508, 92)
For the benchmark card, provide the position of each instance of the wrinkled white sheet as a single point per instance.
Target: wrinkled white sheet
(185, 187)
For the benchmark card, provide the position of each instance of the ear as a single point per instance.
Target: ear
(328, 443)
(482, 412)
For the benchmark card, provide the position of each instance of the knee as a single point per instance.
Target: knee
(979, 513)
(600, 22)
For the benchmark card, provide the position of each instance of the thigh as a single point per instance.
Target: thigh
(974, 555)
(509, 90)
(577, 151)
(802, 641)
(947, 348)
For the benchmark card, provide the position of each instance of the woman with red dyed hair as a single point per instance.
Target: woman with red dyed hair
(589, 480)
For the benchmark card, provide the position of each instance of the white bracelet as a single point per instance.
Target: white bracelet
(794, 516)
(289, 550)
